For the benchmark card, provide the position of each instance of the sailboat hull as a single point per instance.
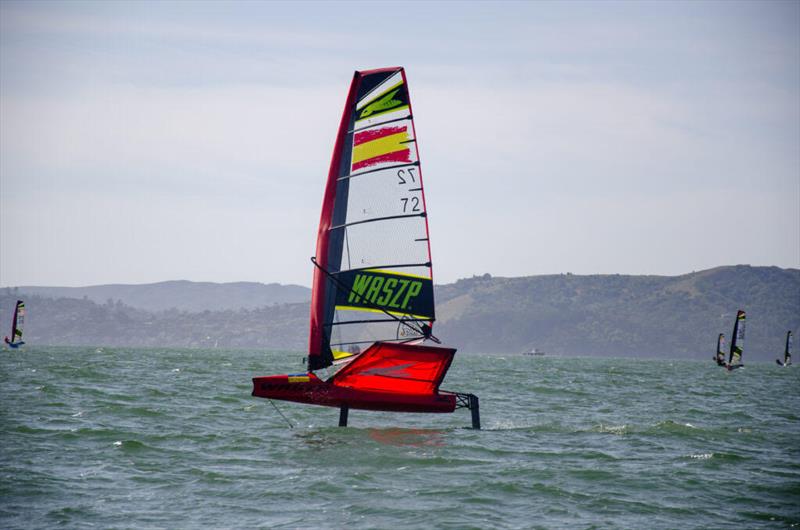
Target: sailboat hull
(386, 376)
(318, 392)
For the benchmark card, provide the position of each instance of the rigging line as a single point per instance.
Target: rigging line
(377, 219)
(388, 168)
(342, 286)
(371, 341)
(281, 413)
(375, 267)
(377, 321)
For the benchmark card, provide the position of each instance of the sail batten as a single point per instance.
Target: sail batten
(364, 173)
(388, 218)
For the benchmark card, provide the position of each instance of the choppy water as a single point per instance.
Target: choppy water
(125, 438)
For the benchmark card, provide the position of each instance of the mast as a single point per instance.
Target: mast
(319, 351)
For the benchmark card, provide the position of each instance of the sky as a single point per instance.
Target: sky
(151, 141)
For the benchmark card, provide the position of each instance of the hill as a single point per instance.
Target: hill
(181, 294)
(621, 315)
(560, 314)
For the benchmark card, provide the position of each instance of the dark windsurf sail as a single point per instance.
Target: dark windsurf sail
(787, 352)
(17, 324)
(720, 356)
(737, 342)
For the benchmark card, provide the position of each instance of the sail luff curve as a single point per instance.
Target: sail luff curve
(317, 356)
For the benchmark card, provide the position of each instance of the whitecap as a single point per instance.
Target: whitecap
(612, 429)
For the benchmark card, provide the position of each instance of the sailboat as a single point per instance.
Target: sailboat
(737, 343)
(720, 356)
(16, 326)
(787, 352)
(372, 302)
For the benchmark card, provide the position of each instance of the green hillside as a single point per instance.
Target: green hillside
(621, 315)
(560, 314)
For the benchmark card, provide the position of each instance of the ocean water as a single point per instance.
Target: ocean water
(135, 438)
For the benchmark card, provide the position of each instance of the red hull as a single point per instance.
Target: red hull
(319, 392)
(389, 377)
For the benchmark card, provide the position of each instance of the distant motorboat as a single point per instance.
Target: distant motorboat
(533, 351)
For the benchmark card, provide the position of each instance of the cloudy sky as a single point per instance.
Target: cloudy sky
(142, 142)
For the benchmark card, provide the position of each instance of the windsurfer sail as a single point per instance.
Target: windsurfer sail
(720, 356)
(737, 342)
(787, 352)
(16, 326)
(372, 302)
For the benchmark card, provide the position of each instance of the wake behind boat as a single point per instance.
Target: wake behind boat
(787, 352)
(372, 302)
(16, 326)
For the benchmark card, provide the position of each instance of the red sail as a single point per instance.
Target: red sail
(318, 289)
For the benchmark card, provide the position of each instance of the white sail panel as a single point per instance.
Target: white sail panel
(385, 193)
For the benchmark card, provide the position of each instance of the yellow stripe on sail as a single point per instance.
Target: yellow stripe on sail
(370, 310)
(339, 354)
(393, 273)
(381, 146)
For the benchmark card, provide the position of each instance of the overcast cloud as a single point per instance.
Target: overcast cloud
(142, 142)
